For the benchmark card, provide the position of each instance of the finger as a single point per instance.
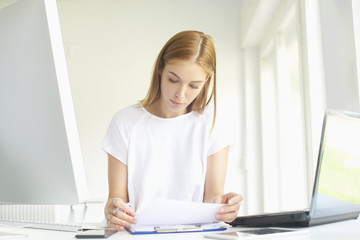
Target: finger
(113, 206)
(120, 205)
(124, 216)
(116, 210)
(235, 199)
(116, 227)
(117, 203)
(117, 221)
(226, 217)
(129, 210)
(228, 198)
(230, 208)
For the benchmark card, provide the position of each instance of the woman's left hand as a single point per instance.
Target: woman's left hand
(229, 212)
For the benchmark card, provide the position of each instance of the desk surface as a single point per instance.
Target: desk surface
(349, 230)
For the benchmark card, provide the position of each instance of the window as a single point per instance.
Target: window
(303, 56)
(283, 138)
(276, 150)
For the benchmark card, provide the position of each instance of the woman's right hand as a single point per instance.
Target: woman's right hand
(119, 214)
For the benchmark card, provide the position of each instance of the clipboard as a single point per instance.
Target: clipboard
(174, 216)
(137, 230)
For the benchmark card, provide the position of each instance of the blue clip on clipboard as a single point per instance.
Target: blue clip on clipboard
(136, 230)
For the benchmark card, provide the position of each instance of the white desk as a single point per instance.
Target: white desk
(349, 230)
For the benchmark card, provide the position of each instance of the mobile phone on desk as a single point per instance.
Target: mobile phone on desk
(96, 233)
(226, 235)
(260, 233)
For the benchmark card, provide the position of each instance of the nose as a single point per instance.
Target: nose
(180, 92)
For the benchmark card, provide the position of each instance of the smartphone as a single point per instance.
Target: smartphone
(253, 233)
(96, 233)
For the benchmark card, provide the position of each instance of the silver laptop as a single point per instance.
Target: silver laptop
(336, 192)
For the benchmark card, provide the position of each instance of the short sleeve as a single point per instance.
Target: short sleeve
(221, 135)
(115, 140)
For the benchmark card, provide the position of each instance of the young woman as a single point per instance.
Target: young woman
(170, 145)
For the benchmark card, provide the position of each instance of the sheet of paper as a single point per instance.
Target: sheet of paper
(173, 212)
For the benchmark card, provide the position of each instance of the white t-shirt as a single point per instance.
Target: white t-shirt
(166, 157)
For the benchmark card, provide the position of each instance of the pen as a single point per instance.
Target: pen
(118, 209)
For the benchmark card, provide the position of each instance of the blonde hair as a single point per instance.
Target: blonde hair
(190, 46)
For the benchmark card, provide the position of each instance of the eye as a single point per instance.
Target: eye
(172, 80)
(194, 86)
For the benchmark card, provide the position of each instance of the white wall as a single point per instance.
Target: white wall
(111, 47)
(339, 54)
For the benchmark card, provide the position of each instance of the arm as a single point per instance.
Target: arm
(216, 174)
(118, 196)
(214, 186)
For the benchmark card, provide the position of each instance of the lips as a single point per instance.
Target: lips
(176, 103)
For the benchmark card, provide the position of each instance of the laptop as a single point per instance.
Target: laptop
(336, 191)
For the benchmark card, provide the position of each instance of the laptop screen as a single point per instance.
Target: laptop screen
(337, 185)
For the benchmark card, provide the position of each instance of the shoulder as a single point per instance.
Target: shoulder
(208, 113)
(127, 117)
(207, 117)
(116, 140)
(130, 112)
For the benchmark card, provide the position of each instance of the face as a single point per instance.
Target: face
(181, 83)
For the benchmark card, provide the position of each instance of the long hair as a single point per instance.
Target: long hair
(192, 46)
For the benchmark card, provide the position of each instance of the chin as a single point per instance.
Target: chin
(178, 110)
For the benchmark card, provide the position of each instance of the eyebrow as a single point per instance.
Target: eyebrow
(199, 81)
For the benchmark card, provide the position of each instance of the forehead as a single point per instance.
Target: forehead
(185, 70)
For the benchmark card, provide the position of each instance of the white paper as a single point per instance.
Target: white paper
(173, 212)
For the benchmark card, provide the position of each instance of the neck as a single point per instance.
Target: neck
(161, 111)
